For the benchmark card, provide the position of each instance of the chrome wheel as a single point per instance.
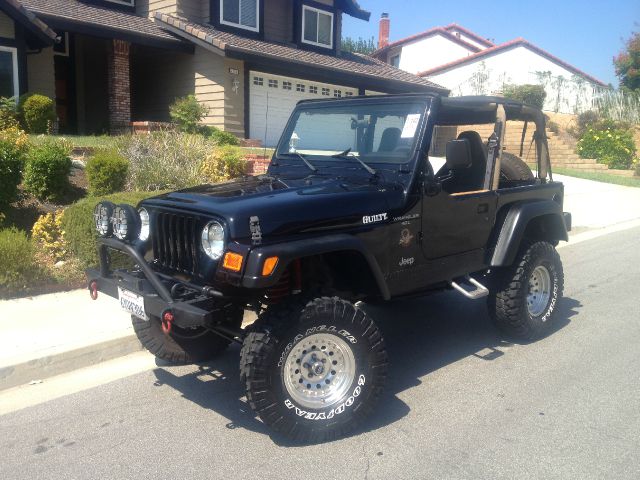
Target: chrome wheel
(539, 291)
(319, 370)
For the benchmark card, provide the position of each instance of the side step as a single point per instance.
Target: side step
(479, 291)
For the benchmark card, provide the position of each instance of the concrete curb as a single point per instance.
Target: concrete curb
(63, 362)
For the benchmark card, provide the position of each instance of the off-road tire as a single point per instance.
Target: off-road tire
(266, 353)
(511, 285)
(513, 168)
(185, 346)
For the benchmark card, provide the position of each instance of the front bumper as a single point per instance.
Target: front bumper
(201, 307)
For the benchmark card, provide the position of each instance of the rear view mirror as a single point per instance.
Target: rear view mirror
(458, 154)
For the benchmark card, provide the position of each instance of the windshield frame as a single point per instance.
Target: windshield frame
(424, 101)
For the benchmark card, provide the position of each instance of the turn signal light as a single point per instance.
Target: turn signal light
(232, 261)
(269, 266)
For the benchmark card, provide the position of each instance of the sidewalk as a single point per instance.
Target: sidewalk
(51, 334)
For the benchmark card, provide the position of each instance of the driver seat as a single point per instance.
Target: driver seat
(471, 178)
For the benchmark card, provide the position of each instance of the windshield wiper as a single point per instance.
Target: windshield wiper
(303, 158)
(347, 154)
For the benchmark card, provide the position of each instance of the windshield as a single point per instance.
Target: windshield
(375, 132)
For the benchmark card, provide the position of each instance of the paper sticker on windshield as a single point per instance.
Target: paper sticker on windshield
(410, 125)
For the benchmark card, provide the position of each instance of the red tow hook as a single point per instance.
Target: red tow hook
(167, 321)
(93, 290)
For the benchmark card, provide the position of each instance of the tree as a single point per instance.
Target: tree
(366, 47)
(627, 64)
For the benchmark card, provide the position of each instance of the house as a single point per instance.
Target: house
(469, 64)
(110, 62)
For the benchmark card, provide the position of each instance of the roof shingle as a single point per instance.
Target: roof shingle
(65, 12)
(352, 63)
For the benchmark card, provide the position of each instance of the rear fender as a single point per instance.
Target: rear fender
(289, 251)
(539, 220)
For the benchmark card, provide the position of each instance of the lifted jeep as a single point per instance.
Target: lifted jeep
(352, 209)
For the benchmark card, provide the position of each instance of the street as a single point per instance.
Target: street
(460, 403)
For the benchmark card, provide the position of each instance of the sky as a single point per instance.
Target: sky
(585, 34)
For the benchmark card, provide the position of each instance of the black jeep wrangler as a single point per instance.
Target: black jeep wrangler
(352, 210)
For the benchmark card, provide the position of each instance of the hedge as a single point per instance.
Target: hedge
(106, 172)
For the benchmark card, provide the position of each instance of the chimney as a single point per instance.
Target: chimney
(383, 32)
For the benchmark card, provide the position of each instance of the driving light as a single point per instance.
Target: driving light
(102, 218)
(144, 224)
(213, 240)
(125, 221)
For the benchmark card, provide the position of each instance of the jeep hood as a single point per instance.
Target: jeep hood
(287, 206)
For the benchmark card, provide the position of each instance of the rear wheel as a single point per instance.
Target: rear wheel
(319, 374)
(185, 345)
(525, 295)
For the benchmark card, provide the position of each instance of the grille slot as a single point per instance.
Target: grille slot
(175, 242)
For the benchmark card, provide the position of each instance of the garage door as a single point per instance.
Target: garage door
(273, 97)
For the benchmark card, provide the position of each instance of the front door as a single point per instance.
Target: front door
(457, 223)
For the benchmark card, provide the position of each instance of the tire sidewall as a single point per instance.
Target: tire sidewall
(363, 386)
(542, 257)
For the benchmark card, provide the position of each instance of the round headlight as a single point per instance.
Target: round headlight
(102, 218)
(213, 240)
(126, 223)
(145, 224)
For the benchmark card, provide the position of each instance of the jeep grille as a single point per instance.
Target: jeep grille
(176, 240)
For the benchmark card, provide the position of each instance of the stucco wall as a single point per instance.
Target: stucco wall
(40, 73)
(7, 27)
(517, 65)
(430, 52)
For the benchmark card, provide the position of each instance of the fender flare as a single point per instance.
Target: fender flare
(289, 251)
(515, 224)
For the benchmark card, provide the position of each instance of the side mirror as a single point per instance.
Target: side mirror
(458, 154)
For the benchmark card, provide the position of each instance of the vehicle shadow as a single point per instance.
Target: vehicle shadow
(422, 336)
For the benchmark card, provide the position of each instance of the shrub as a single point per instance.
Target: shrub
(187, 112)
(612, 146)
(46, 174)
(220, 137)
(13, 146)
(106, 172)
(223, 163)
(553, 126)
(47, 233)
(37, 112)
(164, 160)
(18, 267)
(8, 113)
(530, 94)
(79, 229)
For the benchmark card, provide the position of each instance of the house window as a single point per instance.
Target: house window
(313, 89)
(273, 83)
(258, 81)
(337, 93)
(299, 87)
(8, 72)
(317, 27)
(240, 13)
(129, 3)
(348, 94)
(395, 61)
(286, 85)
(325, 92)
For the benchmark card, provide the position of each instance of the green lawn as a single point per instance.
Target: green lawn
(600, 177)
(91, 141)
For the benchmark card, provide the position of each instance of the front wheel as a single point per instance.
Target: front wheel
(182, 345)
(525, 295)
(319, 374)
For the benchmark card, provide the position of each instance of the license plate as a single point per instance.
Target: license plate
(132, 303)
